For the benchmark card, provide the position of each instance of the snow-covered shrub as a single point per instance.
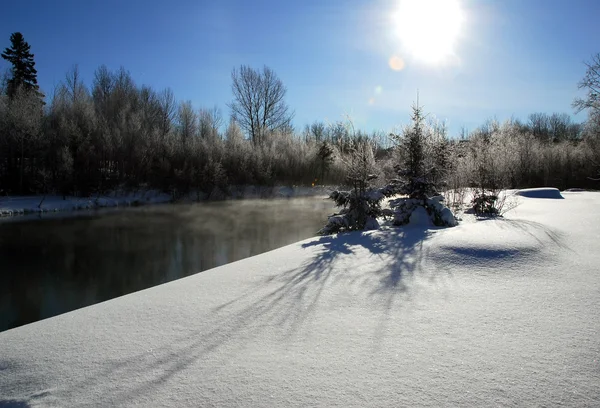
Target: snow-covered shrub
(361, 205)
(359, 212)
(486, 175)
(485, 203)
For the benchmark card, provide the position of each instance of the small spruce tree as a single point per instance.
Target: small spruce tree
(361, 205)
(416, 179)
(421, 169)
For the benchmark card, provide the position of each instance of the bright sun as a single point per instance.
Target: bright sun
(429, 29)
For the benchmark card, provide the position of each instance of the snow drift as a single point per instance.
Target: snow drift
(543, 192)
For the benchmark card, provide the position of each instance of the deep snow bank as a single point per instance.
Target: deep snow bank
(501, 312)
(542, 192)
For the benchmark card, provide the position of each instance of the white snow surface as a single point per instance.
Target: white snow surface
(542, 192)
(499, 312)
(18, 205)
(420, 217)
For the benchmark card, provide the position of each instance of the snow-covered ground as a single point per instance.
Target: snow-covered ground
(14, 205)
(540, 193)
(497, 312)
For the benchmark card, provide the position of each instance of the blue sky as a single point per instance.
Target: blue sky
(512, 58)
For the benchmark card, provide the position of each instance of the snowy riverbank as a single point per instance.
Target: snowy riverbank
(499, 312)
(20, 205)
(47, 204)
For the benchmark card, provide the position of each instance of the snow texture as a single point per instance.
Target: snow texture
(544, 192)
(412, 211)
(500, 312)
(420, 217)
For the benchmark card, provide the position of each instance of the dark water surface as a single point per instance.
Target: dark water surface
(52, 266)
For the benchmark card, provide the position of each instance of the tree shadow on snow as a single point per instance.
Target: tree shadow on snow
(291, 297)
(13, 404)
(541, 233)
(376, 265)
(386, 262)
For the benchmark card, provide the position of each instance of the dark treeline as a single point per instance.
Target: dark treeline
(117, 134)
(86, 140)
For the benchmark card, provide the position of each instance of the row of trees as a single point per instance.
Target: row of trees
(115, 133)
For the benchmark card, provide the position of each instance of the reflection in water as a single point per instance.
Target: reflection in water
(52, 266)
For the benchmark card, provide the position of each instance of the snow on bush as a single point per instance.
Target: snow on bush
(423, 153)
(423, 149)
(411, 211)
(361, 206)
(485, 203)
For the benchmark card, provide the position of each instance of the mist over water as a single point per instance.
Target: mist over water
(52, 266)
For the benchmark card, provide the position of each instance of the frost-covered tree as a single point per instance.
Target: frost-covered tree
(591, 103)
(361, 205)
(591, 84)
(209, 122)
(259, 102)
(415, 174)
(188, 122)
(487, 178)
(21, 121)
(422, 167)
(315, 131)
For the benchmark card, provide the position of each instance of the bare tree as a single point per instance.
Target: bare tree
(210, 121)
(102, 86)
(561, 127)
(590, 83)
(317, 131)
(188, 122)
(259, 104)
(73, 85)
(168, 110)
(539, 125)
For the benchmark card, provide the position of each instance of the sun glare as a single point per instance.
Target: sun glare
(429, 29)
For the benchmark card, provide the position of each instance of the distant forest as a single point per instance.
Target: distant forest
(115, 134)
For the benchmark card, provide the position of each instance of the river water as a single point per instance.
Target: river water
(55, 265)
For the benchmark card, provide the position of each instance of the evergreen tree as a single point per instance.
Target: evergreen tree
(361, 206)
(422, 167)
(23, 69)
(416, 178)
(325, 155)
